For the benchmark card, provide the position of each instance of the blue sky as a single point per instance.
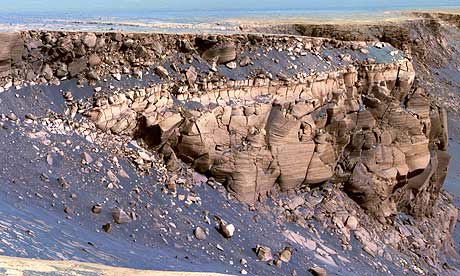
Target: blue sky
(157, 5)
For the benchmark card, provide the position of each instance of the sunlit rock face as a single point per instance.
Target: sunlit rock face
(261, 112)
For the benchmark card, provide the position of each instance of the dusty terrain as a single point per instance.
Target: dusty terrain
(255, 154)
(28, 266)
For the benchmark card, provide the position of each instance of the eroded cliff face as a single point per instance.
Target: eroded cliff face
(349, 113)
(366, 126)
(10, 51)
(263, 114)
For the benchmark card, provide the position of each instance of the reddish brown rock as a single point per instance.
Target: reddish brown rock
(11, 48)
(221, 53)
(120, 216)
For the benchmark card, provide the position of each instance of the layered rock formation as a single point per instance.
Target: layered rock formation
(256, 112)
(370, 129)
(11, 47)
(343, 129)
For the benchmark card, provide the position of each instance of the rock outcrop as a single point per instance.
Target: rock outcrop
(11, 48)
(343, 129)
(367, 126)
(300, 113)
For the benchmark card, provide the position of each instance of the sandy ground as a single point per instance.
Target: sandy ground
(22, 266)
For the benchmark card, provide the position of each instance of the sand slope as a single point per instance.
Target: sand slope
(23, 266)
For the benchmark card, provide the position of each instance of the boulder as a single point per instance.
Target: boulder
(11, 49)
(94, 60)
(77, 66)
(222, 53)
(90, 40)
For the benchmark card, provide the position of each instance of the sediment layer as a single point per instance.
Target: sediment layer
(255, 111)
(262, 114)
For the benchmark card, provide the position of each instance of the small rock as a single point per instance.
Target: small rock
(245, 61)
(117, 36)
(199, 178)
(231, 65)
(157, 47)
(92, 75)
(8, 85)
(44, 177)
(244, 272)
(379, 45)
(364, 51)
(123, 173)
(278, 263)
(86, 158)
(96, 209)
(264, 253)
(318, 271)
(64, 184)
(120, 216)
(351, 223)
(200, 233)
(227, 230)
(12, 116)
(112, 177)
(138, 74)
(30, 75)
(62, 71)
(191, 75)
(282, 77)
(31, 116)
(77, 66)
(346, 58)
(162, 72)
(295, 202)
(141, 52)
(90, 40)
(286, 254)
(68, 96)
(47, 72)
(67, 210)
(117, 76)
(94, 60)
(49, 159)
(128, 43)
(107, 227)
